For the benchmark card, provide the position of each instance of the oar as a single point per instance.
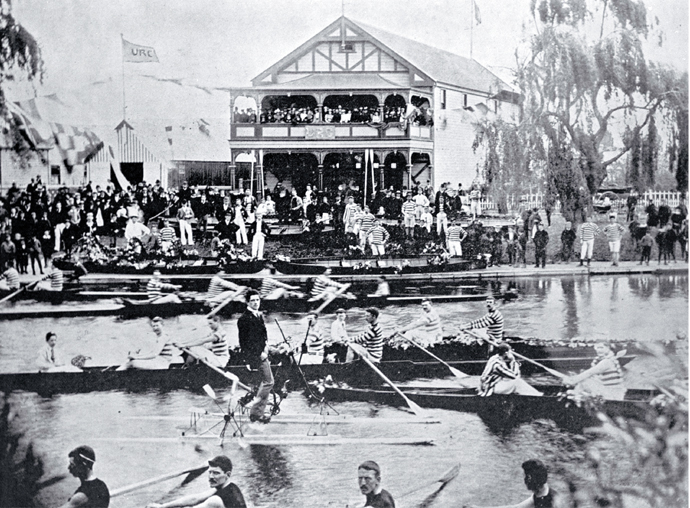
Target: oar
(23, 288)
(225, 302)
(191, 472)
(332, 297)
(453, 370)
(229, 376)
(443, 481)
(363, 354)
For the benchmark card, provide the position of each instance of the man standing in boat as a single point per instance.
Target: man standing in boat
(212, 348)
(93, 492)
(536, 476)
(492, 321)
(427, 329)
(223, 493)
(160, 356)
(371, 338)
(502, 375)
(604, 378)
(253, 339)
(369, 478)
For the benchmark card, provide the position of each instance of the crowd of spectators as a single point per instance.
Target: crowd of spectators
(339, 114)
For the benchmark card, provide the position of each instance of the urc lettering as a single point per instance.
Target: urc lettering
(142, 52)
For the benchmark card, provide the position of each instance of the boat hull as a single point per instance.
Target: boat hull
(373, 266)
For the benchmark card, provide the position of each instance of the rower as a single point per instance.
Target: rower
(222, 494)
(536, 476)
(338, 331)
(427, 329)
(372, 338)
(604, 378)
(383, 288)
(492, 321)
(54, 279)
(92, 492)
(502, 375)
(220, 289)
(314, 342)
(156, 287)
(51, 359)
(324, 287)
(369, 478)
(272, 289)
(10, 279)
(161, 356)
(212, 348)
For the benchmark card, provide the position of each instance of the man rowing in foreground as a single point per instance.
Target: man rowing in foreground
(491, 322)
(542, 496)
(427, 329)
(371, 338)
(502, 375)
(212, 348)
(604, 378)
(222, 494)
(92, 493)
(160, 356)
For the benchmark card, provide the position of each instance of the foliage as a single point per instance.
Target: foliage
(584, 77)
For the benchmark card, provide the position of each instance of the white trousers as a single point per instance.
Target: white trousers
(378, 250)
(186, 233)
(455, 248)
(258, 246)
(241, 234)
(587, 249)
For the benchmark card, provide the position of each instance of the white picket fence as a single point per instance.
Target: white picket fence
(524, 201)
(671, 198)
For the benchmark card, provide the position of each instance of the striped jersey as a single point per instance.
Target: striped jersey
(11, 275)
(268, 285)
(219, 346)
(372, 339)
(456, 234)
(612, 376)
(56, 278)
(167, 234)
(588, 231)
(409, 208)
(614, 232)
(322, 283)
(432, 325)
(315, 342)
(169, 350)
(378, 235)
(495, 370)
(493, 322)
(219, 285)
(154, 289)
(367, 221)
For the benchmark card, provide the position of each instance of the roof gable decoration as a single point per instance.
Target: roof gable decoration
(322, 54)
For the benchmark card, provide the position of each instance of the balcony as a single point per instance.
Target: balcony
(327, 131)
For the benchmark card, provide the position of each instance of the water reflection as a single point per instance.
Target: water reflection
(569, 300)
(271, 473)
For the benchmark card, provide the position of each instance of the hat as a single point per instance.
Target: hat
(340, 311)
(84, 454)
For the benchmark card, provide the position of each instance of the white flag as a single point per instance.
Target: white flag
(135, 53)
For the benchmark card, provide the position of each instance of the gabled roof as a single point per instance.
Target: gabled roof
(438, 65)
(337, 80)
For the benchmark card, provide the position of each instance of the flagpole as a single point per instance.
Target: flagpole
(124, 99)
(471, 27)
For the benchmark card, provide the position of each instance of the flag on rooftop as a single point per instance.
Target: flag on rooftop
(138, 54)
(477, 14)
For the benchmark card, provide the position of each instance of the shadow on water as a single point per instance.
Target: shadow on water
(271, 474)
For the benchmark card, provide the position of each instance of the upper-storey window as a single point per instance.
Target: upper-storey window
(443, 99)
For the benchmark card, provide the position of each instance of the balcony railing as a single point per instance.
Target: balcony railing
(247, 131)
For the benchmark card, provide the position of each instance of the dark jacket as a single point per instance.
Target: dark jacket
(252, 336)
(541, 238)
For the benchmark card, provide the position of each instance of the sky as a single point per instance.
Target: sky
(222, 43)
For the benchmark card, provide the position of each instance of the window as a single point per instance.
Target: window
(443, 99)
(55, 175)
(464, 100)
(347, 47)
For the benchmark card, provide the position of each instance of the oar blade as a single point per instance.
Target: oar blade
(450, 474)
(457, 373)
(415, 408)
(194, 474)
(209, 391)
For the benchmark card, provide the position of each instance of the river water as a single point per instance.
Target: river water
(642, 307)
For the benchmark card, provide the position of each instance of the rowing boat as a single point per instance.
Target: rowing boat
(185, 267)
(503, 411)
(193, 377)
(375, 266)
(131, 308)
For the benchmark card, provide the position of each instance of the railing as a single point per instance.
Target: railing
(248, 131)
(672, 198)
(516, 202)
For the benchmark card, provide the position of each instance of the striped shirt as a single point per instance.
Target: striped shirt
(588, 231)
(11, 275)
(169, 350)
(315, 342)
(378, 235)
(219, 285)
(367, 221)
(268, 285)
(495, 370)
(322, 283)
(493, 322)
(372, 339)
(433, 323)
(167, 234)
(56, 278)
(219, 346)
(614, 232)
(456, 234)
(409, 208)
(154, 289)
(613, 375)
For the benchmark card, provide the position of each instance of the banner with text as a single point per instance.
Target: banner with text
(135, 53)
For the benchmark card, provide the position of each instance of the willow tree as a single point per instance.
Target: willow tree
(20, 61)
(584, 75)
